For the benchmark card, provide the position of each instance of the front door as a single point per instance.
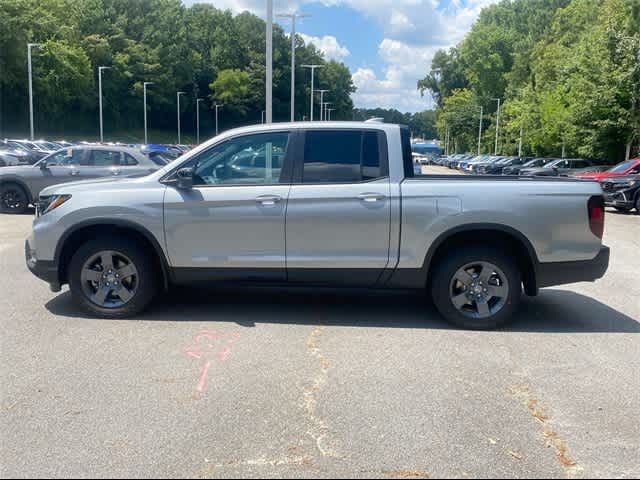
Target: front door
(231, 224)
(338, 215)
(60, 168)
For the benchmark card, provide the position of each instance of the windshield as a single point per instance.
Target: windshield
(622, 167)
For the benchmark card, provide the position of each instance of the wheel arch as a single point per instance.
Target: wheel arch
(503, 236)
(83, 231)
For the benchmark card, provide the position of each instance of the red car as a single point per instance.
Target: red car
(630, 167)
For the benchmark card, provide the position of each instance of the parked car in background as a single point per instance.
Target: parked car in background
(497, 168)
(630, 167)
(562, 167)
(477, 163)
(21, 185)
(32, 155)
(534, 163)
(12, 155)
(622, 193)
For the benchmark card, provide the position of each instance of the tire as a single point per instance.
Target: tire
(638, 204)
(13, 199)
(127, 294)
(487, 269)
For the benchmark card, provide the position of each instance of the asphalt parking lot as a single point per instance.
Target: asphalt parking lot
(263, 384)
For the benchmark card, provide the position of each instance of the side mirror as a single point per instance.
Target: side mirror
(184, 178)
(44, 166)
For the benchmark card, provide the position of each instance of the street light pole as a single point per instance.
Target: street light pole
(217, 107)
(29, 47)
(326, 107)
(178, 98)
(100, 70)
(293, 17)
(198, 100)
(313, 69)
(322, 92)
(520, 143)
(480, 129)
(269, 55)
(144, 99)
(497, 125)
(329, 110)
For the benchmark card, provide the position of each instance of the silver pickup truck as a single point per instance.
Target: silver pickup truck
(318, 204)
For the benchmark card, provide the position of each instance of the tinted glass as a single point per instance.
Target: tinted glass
(248, 160)
(341, 156)
(60, 158)
(129, 160)
(622, 167)
(104, 158)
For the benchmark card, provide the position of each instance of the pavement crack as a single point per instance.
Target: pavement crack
(552, 438)
(319, 429)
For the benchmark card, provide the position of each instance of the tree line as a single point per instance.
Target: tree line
(567, 73)
(201, 50)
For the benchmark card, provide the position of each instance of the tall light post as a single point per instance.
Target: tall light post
(313, 69)
(262, 116)
(497, 124)
(198, 100)
(178, 94)
(329, 110)
(100, 70)
(520, 142)
(269, 69)
(480, 130)
(326, 107)
(322, 92)
(293, 17)
(29, 47)
(144, 99)
(217, 107)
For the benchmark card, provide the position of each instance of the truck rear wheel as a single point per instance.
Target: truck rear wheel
(112, 277)
(477, 287)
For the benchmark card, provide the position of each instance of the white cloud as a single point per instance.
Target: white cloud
(328, 45)
(413, 31)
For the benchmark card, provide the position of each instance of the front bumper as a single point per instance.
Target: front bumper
(43, 269)
(560, 273)
(618, 199)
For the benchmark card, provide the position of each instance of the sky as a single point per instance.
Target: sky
(387, 44)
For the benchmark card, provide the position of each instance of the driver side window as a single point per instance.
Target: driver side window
(248, 160)
(61, 159)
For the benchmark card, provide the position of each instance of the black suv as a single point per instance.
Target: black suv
(622, 193)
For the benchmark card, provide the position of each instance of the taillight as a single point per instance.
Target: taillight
(596, 215)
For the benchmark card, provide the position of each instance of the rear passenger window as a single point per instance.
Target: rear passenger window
(104, 158)
(129, 160)
(341, 156)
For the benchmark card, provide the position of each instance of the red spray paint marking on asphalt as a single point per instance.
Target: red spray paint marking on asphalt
(208, 346)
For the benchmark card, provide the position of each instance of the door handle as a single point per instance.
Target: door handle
(268, 200)
(115, 172)
(371, 197)
(75, 173)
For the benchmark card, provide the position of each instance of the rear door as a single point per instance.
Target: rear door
(99, 163)
(338, 215)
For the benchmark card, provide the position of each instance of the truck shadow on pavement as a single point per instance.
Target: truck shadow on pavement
(553, 311)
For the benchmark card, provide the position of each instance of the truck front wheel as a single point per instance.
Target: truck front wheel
(477, 287)
(112, 277)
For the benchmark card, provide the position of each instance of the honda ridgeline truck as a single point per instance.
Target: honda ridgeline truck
(318, 204)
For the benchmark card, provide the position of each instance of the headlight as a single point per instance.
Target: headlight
(631, 183)
(50, 203)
